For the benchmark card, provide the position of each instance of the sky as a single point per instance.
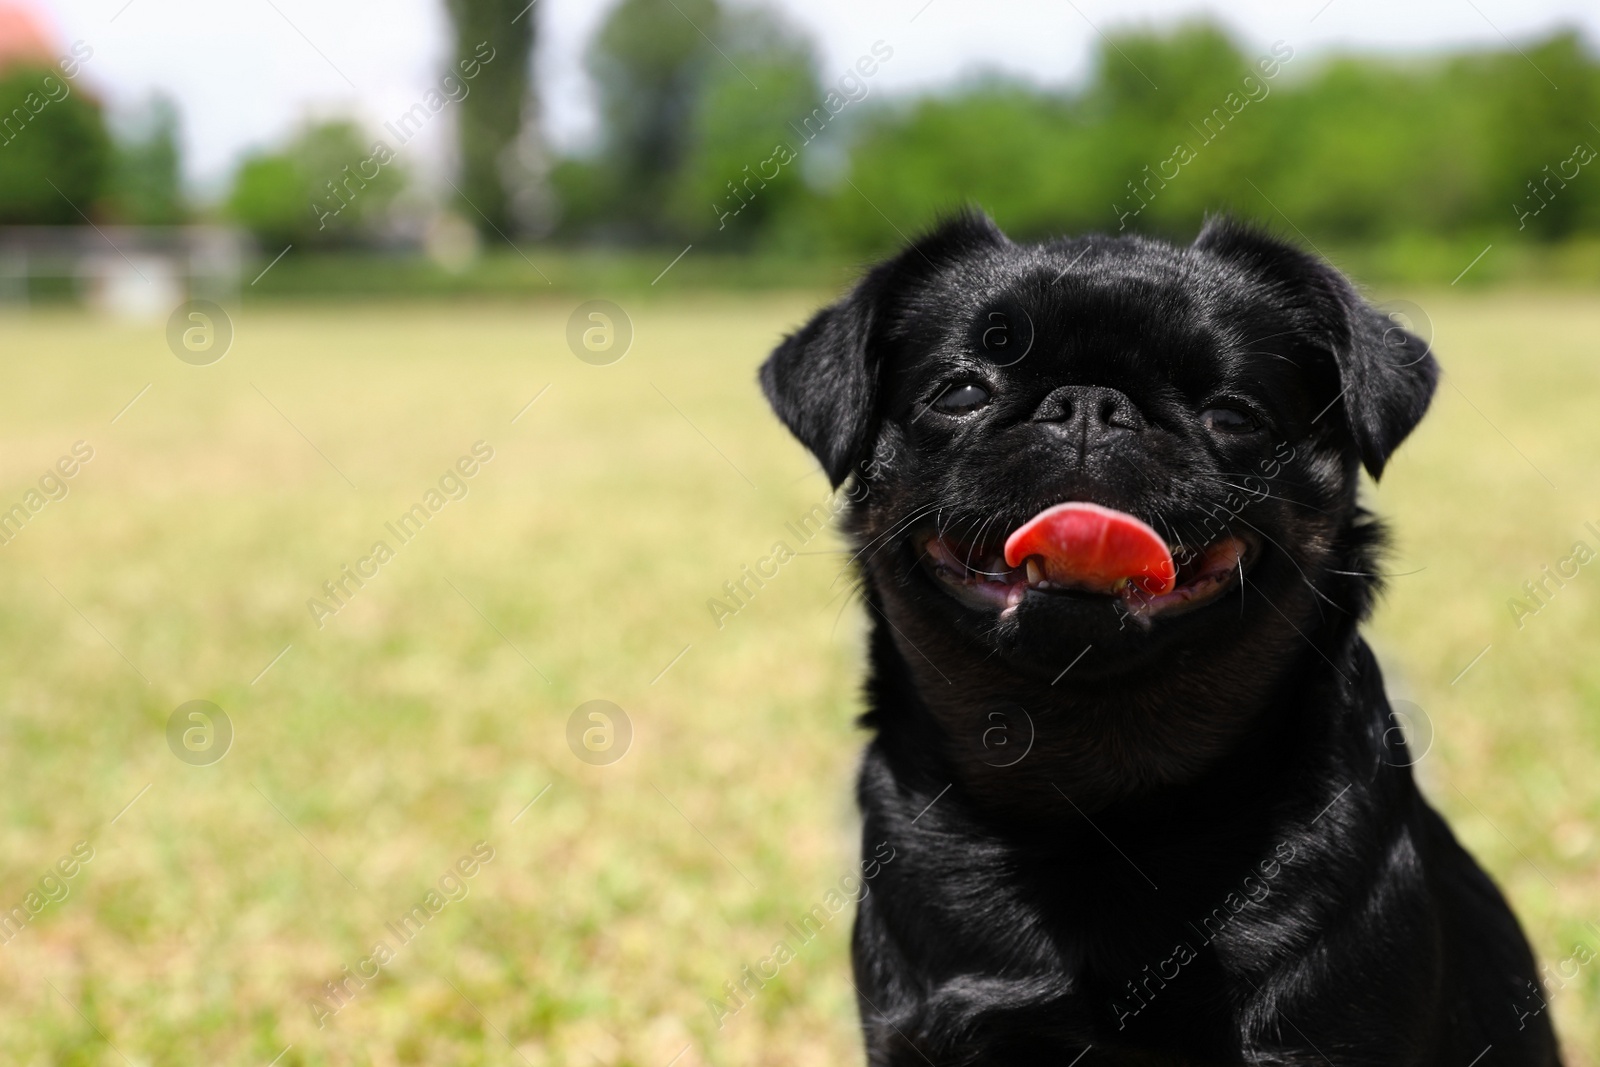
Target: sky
(245, 72)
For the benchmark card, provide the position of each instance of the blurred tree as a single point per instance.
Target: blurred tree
(492, 117)
(1189, 147)
(147, 180)
(1173, 77)
(1357, 153)
(322, 189)
(739, 169)
(1356, 148)
(1353, 148)
(1537, 108)
(55, 153)
(587, 193)
(649, 62)
(1028, 158)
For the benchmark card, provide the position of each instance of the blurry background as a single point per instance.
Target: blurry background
(805, 135)
(382, 377)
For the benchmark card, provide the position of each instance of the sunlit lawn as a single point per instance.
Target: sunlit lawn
(423, 717)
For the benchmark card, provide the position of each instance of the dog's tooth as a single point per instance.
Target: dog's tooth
(1035, 575)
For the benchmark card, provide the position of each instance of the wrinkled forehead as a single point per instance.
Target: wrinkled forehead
(1080, 314)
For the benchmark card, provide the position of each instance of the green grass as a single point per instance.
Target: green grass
(426, 714)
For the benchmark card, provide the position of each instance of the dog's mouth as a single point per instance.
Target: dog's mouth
(1098, 554)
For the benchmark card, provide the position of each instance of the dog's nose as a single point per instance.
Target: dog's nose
(1089, 412)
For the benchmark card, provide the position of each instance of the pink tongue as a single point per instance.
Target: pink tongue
(1095, 547)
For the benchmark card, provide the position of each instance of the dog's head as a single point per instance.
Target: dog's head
(1226, 394)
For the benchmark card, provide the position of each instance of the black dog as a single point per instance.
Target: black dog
(1136, 827)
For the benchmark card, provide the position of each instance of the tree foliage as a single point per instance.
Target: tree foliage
(694, 100)
(147, 178)
(492, 117)
(325, 188)
(1168, 127)
(55, 152)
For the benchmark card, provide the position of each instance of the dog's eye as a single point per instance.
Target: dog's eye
(961, 399)
(1229, 420)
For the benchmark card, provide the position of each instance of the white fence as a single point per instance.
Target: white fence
(132, 271)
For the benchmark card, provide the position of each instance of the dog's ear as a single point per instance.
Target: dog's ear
(1386, 373)
(822, 381)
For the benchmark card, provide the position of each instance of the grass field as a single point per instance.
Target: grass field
(423, 717)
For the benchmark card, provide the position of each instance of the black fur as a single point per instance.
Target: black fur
(1194, 839)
